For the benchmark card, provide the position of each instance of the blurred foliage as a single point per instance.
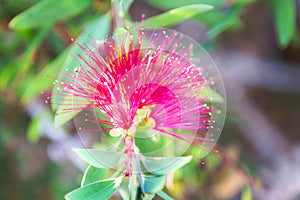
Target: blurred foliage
(285, 20)
(35, 44)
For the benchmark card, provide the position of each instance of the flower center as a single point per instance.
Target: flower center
(142, 120)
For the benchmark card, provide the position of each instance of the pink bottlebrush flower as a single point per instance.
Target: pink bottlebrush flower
(150, 79)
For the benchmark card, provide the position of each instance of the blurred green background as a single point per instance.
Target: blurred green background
(255, 44)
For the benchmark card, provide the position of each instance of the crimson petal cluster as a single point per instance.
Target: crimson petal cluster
(144, 77)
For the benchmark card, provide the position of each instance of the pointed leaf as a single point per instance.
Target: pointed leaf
(91, 32)
(123, 7)
(92, 174)
(48, 12)
(164, 165)
(42, 81)
(124, 193)
(176, 15)
(15, 73)
(226, 22)
(246, 193)
(207, 92)
(96, 30)
(99, 158)
(65, 110)
(99, 190)
(32, 48)
(153, 184)
(218, 19)
(179, 3)
(285, 19)
(33, 133)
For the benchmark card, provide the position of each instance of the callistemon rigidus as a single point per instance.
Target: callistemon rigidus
(155, 90)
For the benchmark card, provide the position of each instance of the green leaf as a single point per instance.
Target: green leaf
(246, 193)
(123, 6)
(212, 161)
(91, 32)
(48, 12)
(8, 73)
(134, 191)
(92, 174)
(97, 29)
(66, 60)
(42, 81)
(14, 73)
(230, 20)
(28, 55)
(218, 19)
(64, 111)
(176, 15)
(98, 190)
(164, 165)
(124, 193)
(285, 20)
(153, 184)
(179, 3)
(207, 92)
(163, 195)
(33, 134)
(119, 31)
(99, 158)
